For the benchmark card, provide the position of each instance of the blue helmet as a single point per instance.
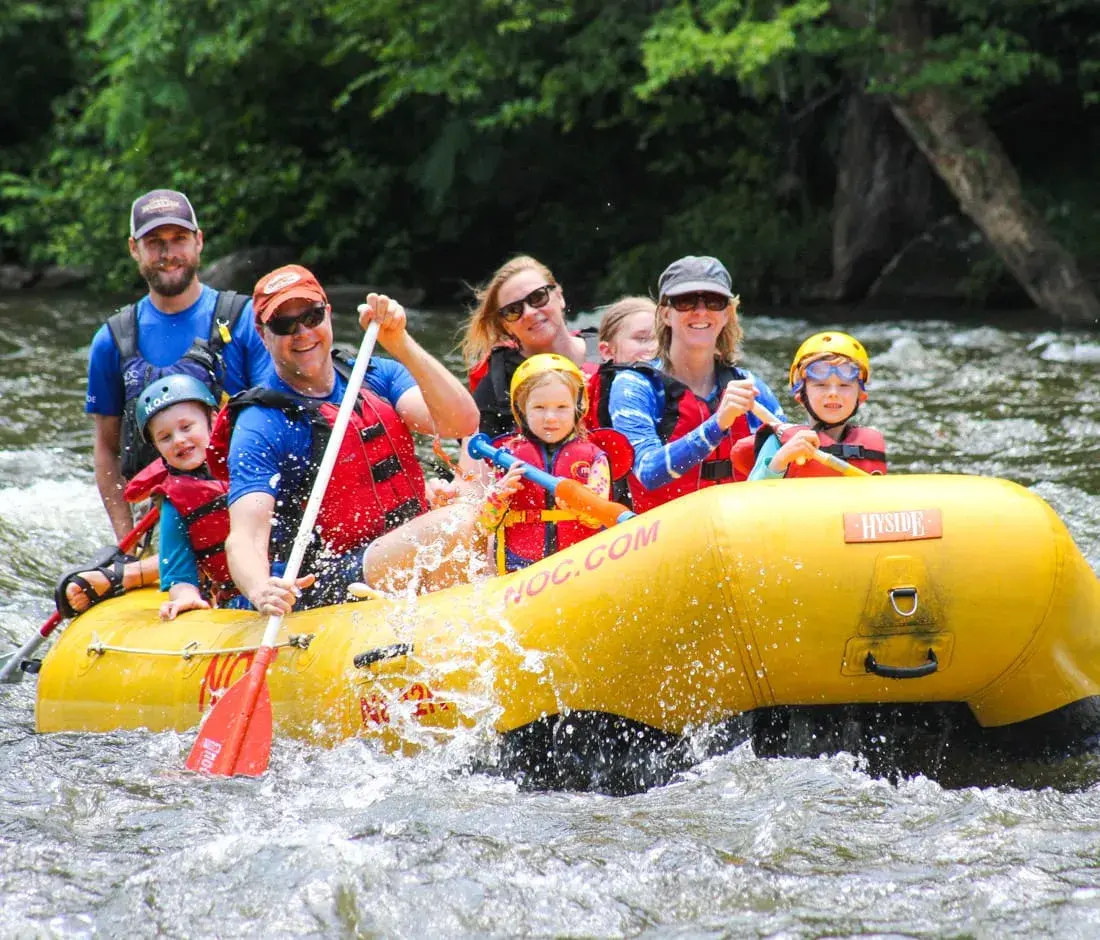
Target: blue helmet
(167, 391)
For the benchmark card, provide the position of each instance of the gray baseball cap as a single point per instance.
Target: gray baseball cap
(161, 207)
(694, 273)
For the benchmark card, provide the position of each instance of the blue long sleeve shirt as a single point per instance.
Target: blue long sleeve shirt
(637, 403)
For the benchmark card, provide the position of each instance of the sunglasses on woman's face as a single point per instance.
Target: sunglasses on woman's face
(539, 297)
(288, 326)
(687, 302)
(820, 369)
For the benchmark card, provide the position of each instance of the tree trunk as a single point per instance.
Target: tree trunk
(883, 196)
(968, 157)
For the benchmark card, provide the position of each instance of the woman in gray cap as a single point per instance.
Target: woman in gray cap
(684, 411)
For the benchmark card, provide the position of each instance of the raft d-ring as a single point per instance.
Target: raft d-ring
(909, 593)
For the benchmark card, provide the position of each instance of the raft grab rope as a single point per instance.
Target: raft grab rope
(97, 648)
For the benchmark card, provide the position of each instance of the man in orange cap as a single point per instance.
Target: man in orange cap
(281, 429)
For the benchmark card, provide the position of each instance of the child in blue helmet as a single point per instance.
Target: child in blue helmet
(174, 413)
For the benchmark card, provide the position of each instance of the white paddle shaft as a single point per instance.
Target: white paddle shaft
(829, 460)
(324, 473)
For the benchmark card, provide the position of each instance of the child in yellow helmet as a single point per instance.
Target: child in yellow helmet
(828, 377)
(549, 396)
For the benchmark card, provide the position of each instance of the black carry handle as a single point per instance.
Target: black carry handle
(902, 672)
(380, 653)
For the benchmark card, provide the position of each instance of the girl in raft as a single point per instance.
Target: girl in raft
(549, 398)
(174, 414)
(627, 331)
(627, 334)
(828, 377)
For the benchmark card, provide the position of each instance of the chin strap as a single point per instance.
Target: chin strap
(820, 424)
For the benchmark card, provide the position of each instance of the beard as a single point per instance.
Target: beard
(170, 283)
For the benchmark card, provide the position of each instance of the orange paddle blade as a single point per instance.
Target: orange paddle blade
(235, 738)
(577, 496)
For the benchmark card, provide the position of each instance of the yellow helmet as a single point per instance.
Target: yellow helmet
(831, 343)
(548, 362)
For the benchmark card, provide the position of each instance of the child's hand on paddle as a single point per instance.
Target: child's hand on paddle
(277, 596)
(509, 484)
(798, 449)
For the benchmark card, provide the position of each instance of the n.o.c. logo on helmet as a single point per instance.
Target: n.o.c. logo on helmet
(279, 281)
(156, 403)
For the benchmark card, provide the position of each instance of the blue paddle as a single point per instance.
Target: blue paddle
(575, 495)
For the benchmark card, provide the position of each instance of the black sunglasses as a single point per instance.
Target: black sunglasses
(539, 297)
(686, 302)
(288, 326)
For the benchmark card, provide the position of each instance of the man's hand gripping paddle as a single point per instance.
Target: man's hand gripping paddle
(573, 494)
(235, 738)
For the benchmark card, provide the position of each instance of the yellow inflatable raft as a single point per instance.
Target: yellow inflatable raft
(900, 589)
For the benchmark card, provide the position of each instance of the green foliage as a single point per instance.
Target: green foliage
(425, 140)
(723, 38)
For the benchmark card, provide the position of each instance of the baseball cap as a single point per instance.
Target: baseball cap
(694, 273)
(161, 207)
(289, 282)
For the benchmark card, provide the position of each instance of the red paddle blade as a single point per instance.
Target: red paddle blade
(235, 738)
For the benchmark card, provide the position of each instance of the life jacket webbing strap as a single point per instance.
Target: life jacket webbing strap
(123, 328)
(385, 469)
(520, 516)
(853, 452)
(409, 509)
(217, 504)
(203, 553)
(716, 469)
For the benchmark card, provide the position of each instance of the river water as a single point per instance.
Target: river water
(104, 836)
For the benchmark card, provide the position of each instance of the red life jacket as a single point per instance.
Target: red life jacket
(599, 394)
(533, 527)
(864, 448)
(684, 412)
(201, 502)
(376, 485)
(499, 366)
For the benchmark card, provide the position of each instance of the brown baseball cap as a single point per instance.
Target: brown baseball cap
(290, 282)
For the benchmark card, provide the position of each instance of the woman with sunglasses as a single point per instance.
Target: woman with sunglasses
(520, 313)
(828, 378)
(683, 412)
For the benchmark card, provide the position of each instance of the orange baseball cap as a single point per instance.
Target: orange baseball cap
(290, 282)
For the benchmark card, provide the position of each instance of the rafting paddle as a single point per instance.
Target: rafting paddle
(235, 738)
(12, 669)
(829, 460)
(574, 494)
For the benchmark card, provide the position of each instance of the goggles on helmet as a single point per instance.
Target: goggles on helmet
(820, 369)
